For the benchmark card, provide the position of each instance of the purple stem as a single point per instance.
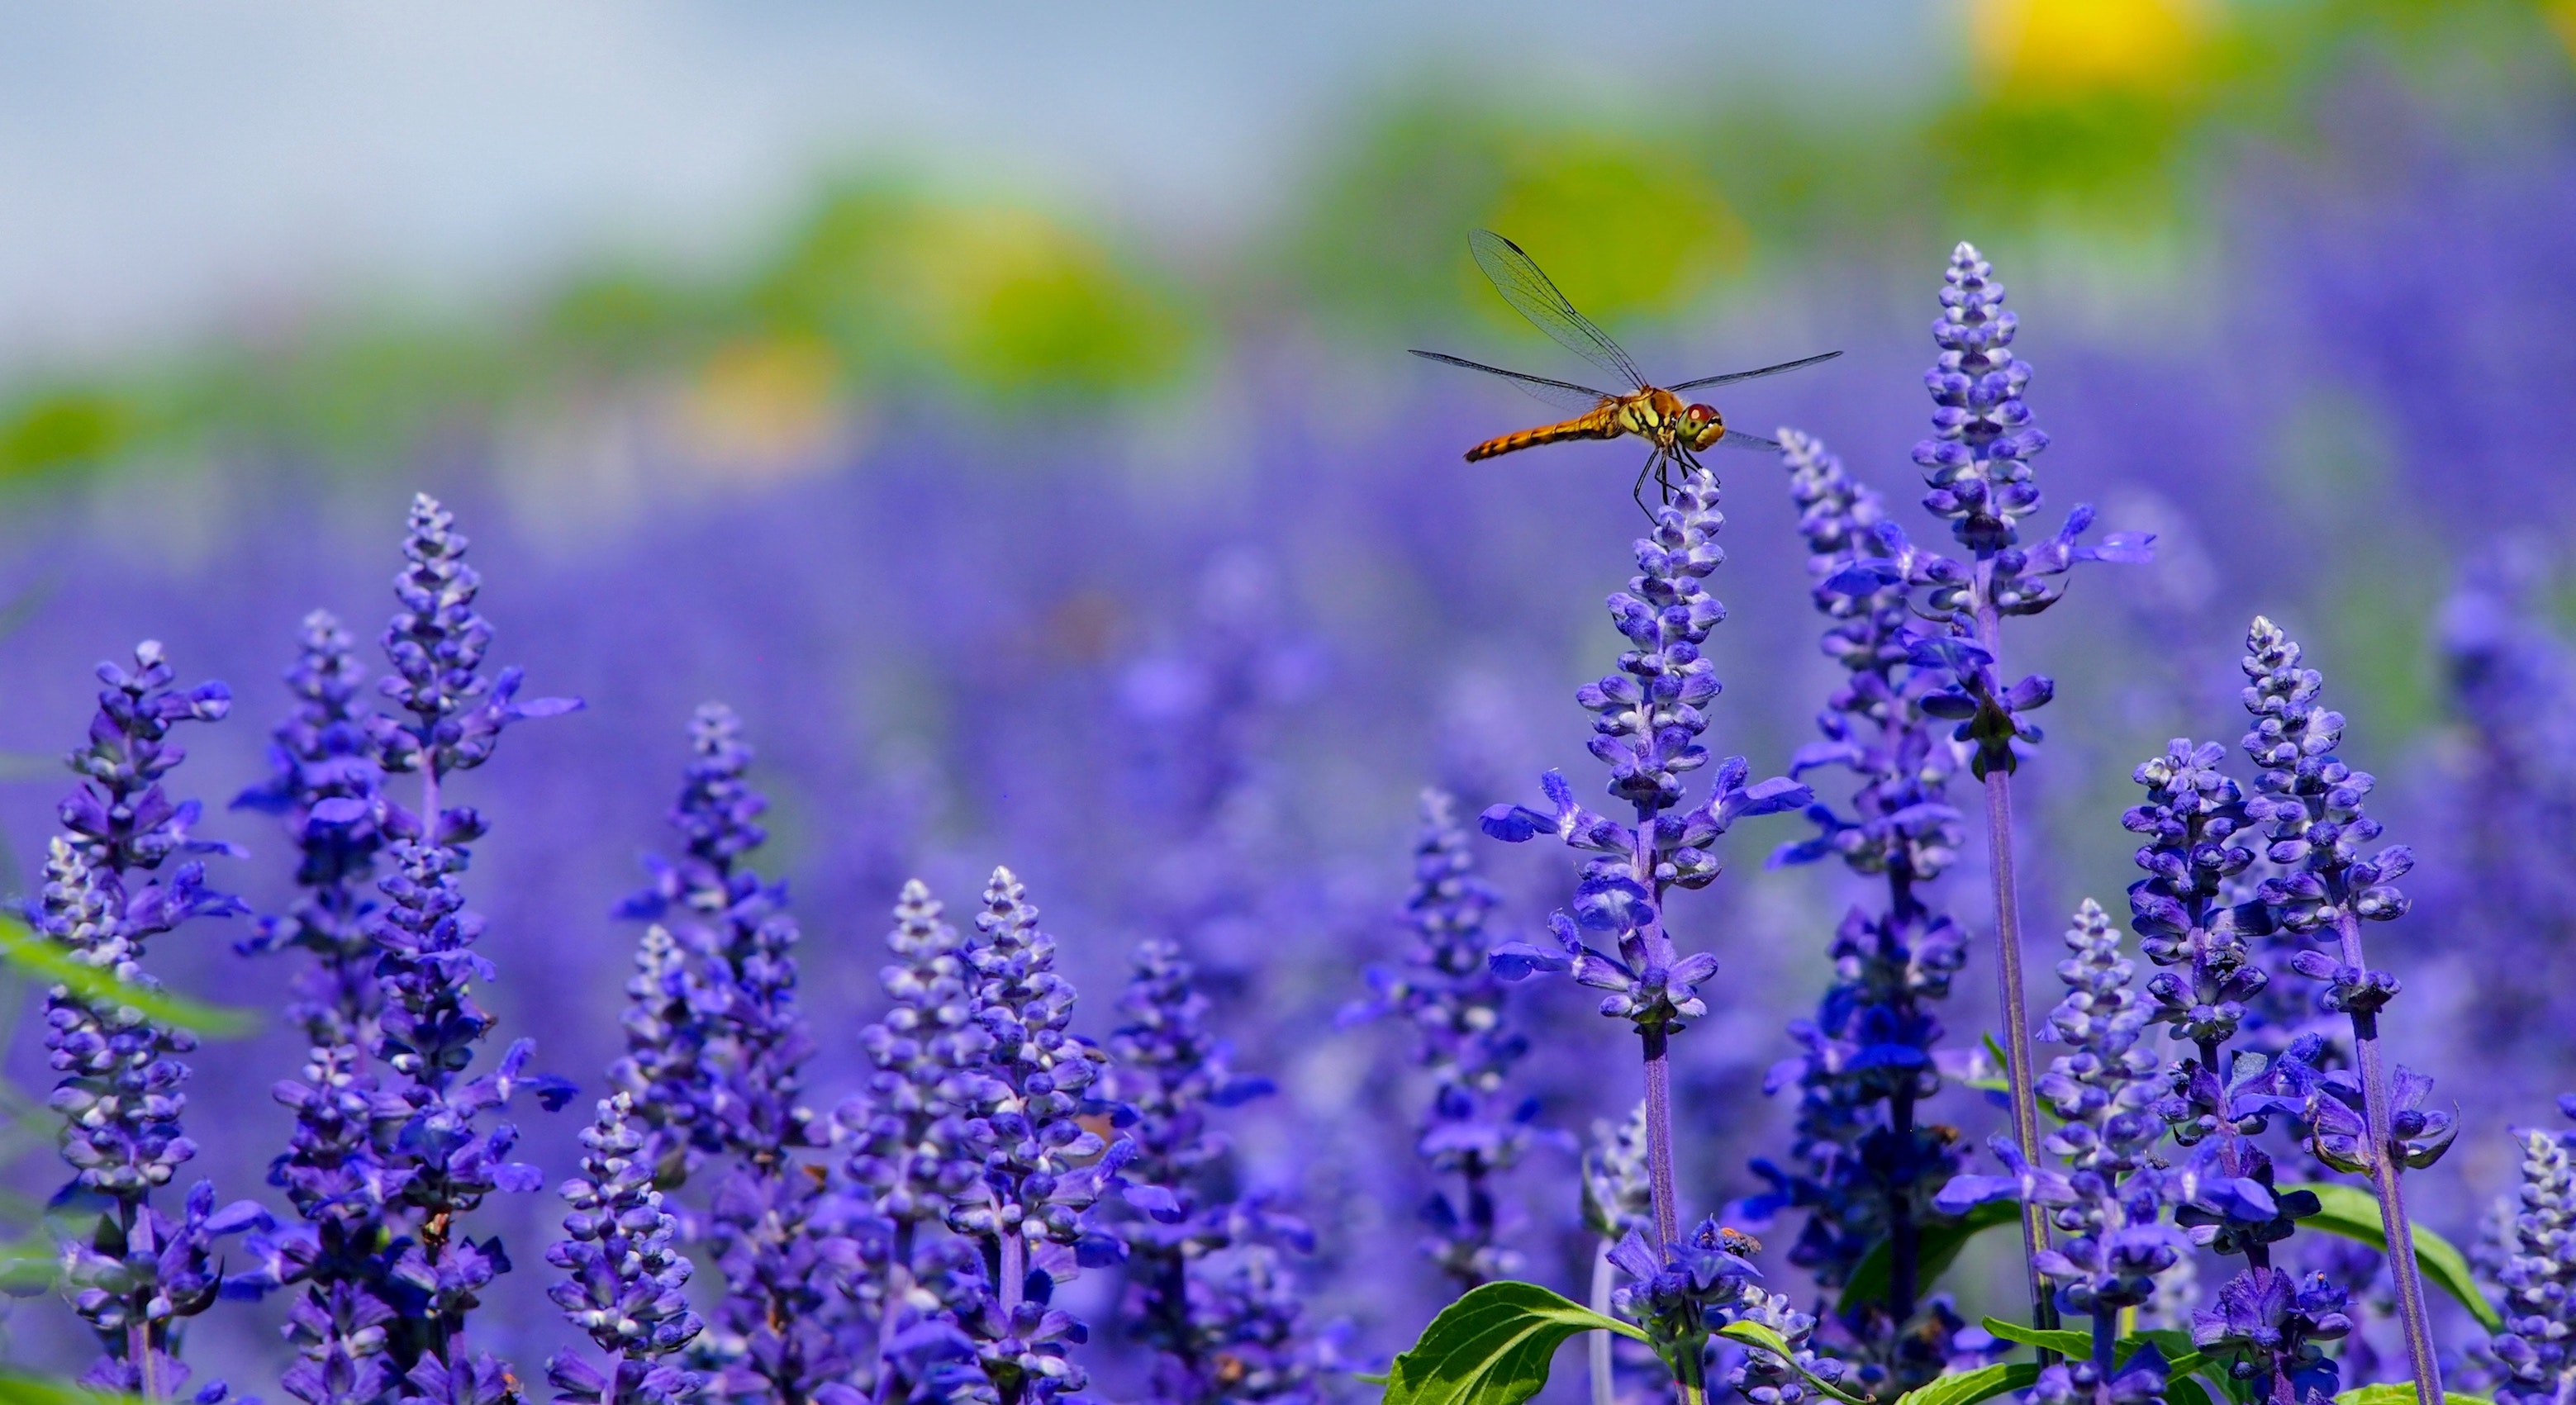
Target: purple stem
(1659, 1134)
(2384, 1173)
(1014, 1270)
(898, 1284)
(2016, 1009)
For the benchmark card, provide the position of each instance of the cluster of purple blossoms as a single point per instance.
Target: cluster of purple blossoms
(1865, 1164)
(713, 1068)
(132, 1271)
(623, 1272)
(386, 1154)
(1208, 1285)
(2537, 1349)
(1448, 991)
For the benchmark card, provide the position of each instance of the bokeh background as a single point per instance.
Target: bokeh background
(1004, 407)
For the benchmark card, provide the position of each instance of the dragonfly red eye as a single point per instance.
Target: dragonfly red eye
(1699, 414)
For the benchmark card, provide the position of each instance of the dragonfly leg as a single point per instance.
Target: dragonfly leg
(1664, 476)
(1637, 491)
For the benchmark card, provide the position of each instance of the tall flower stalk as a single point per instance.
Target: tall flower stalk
(1470, 1130)
(436, 1164)
(1647, 726)
(1865, 1165)
(132, 1272)
(1977, 465)
(716, 1048)
(2310, 803)
(2537, 1348)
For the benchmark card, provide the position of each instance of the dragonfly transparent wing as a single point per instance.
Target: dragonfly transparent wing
(1565, 395)
(1530, 293)
(1738, 439)
(1732, 377)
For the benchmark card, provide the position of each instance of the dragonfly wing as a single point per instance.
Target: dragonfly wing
(1530, 293)
(1738, 439)
(1732, 377)
(1565, 395)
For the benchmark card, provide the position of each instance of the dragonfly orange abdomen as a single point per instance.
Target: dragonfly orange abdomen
(1602, 423)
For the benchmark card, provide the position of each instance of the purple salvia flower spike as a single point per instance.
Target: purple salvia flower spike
(1207, 1287)
(432, 1161)
(326, 783)
(715, 1048)
(1043, 1168)
(1647, 725)
(1865, 1168)
(1977, 467)
(623, 1273)
(2537, 1348)
(132, 1272)
(1451, 990)
(915, 1146)
(2311, 805)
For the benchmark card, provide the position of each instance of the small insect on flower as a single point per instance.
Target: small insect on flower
(1676, 429)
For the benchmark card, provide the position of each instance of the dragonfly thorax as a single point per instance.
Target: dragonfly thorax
(1661, 417)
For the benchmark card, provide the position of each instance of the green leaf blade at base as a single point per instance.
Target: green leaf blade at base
(1492, 1347)
(1969, 1387)
(2353, 1213)
(1754, 1334)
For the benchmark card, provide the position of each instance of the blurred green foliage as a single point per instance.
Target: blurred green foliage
(2093, 126)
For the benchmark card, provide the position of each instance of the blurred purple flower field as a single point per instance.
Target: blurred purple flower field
(1195, 698)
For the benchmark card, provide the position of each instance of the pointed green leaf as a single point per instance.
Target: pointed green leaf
(1937, 1246)
(1754, 1334)
(2061, 1341)
(1491, 1347)
(48, 962)
(18, 1388)
(2353, 1213)
(2399, 1392)
(1969, 1387)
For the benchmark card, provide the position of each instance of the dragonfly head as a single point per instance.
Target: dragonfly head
(1701, 426)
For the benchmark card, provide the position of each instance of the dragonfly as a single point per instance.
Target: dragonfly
(1677, 430)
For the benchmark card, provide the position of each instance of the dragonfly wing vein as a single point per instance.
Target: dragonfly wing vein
(1517, 277)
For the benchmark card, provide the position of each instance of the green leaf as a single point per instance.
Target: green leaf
(2400, 1392)
(2354, 1213)
(2064, 1343)
(1937, 1246)
(1754, 1334)
(45, 961)
(18, 1388)
(1969, 1387)
(1491, 1347)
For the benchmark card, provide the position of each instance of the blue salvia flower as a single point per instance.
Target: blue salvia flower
(326, 782)
(915, 1146)
(2311, 806)
(2269, 1322)
(132, 1272)
(623, 1273)
(1647, 726)
(1206, 1288)
(1977, 467)
(1706, 1281)
(2188, 921)
(1448, 991)
(2108, 1205)
(1865, 1166)
(715, 1053)
(2538, 1273)
(437, 1164)
(1043, 1169)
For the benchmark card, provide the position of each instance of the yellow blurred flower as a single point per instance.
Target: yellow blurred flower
(2562, 21)
(763, 404)
(2068, 48)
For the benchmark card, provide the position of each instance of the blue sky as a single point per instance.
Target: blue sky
(170, 170)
